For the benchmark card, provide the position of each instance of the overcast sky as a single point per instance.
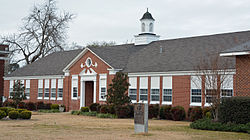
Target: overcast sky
(118, 20)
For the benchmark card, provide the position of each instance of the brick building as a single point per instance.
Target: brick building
(160, 71)
(3, 57)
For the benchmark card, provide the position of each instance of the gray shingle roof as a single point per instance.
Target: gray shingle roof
(181, 54)
(240, 48)
(52, 64)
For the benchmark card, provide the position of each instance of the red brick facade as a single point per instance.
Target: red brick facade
(242, 85)
(181, 84)
(2, 65)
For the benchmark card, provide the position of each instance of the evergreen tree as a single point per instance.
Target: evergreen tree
(18, 93)
(116, 93)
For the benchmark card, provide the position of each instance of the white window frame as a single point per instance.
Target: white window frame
(59, 87)
(155, 85)
(133, 86)
(12, 82)
(167, 84)
(227, 85)
(40, 86)
(196, 84)
(143, 86)
(46, 86)
(27, 88)
(102, 84)
(74, 83)
(53, 89)
(207, 87)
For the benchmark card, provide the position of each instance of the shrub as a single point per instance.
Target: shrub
(123, 111)
(104, 109)
(208, 124)
(111, 109)
(178, 113)
(94, 107)
(75, 112)
(84, 109)
(25, 115)
(40, 105)
(131, 111)
(235, 110)
(13, 114)
(54, 106)
(194, 113)
(9, 104)
(31, 106)
(205, 110)
(21, 110)
(47, 106)
(93, 113)
(49, 110)
(7, 109)
(101, 115)
(22, 105)
(2, 114)
(208, 115)
(153, 111)
(165, 112)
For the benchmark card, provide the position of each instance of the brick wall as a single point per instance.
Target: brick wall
(243, 75)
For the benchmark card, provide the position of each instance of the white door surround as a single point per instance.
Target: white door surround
(87, 77)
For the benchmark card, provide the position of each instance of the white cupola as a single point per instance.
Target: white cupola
(147, 30)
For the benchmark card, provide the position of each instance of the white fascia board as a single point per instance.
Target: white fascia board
(4, 58)
(176, 73)
(80, 55)
(4, 52)
(34, 77)
(235, 53)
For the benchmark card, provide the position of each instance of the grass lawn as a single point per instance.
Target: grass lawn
(66, 126)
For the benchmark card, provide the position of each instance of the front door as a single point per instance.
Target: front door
(89, 88)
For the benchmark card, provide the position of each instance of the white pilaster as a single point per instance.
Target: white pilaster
(94, 100)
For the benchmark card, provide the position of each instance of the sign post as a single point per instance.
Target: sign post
(141, 118)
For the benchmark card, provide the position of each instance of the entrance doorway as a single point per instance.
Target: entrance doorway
(89, 90)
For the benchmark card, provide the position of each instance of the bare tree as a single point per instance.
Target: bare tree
(42, 33)
(101, 44)
(216, 73)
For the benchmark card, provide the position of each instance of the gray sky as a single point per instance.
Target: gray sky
(118, 20)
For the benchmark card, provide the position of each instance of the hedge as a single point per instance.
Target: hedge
(178, 113)
(195, 113)
(94, 106)
(85, 109)
(235, 110)
(208, 124)
(153, 111)
(54, 106)
(165, 112)
(13, 114)
(25, 115)
(2, 114)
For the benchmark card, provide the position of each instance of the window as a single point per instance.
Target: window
(60, 89)
(155, 95)
(210, 95)
(46, 89)
(167, 90)
(74, 87)
(27, 89)
(103, 81)
(196, 84)
(227, 86)
(53, 89)
(151, 27)
(143, 27)
(167, 95)
(11, 88)
(40, 89)
(155, 90)
(143, 92)
(211, 89)
(88, 62)
(133, 88)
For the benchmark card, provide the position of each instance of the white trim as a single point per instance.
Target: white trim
(39, 98)
(133, 101)
(52, 98)
(59, 98)
(173, 73)
(102, 77)
(155, 102)
(235, 53)
(195, 104)
(74, 78)
(34, 77)
(113, 71)
(166, 103)
(46, 98)
(80, 55)
(207, 104)
(4, 58)
(6, 52)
